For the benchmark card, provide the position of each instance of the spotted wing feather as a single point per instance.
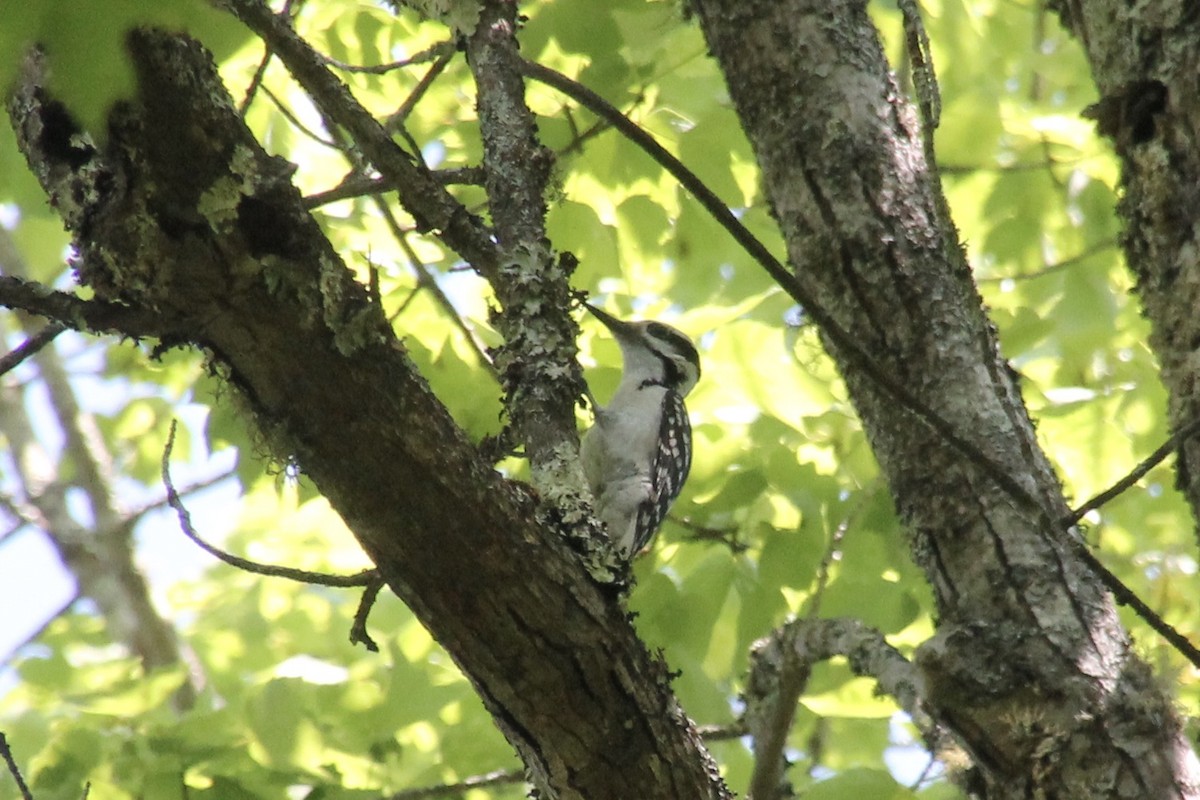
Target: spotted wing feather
(672, 460)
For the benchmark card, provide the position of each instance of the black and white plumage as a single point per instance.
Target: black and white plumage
(639, 451)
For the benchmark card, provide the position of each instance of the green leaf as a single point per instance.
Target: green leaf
(85, 45)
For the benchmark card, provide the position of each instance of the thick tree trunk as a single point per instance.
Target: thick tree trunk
(188, 231)
(1145, 59)
(1030, 667)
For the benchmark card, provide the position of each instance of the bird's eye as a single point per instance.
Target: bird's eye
(658, 330)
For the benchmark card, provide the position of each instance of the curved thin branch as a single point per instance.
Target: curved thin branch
(295, 121)
(358, 631)
(426, 280)
(364, 578)
(358, 185)
(30, 346)
(1127, 597)
(804, 642)
(429, 54)
(1057, 266)
(395, 120)
(498, 778)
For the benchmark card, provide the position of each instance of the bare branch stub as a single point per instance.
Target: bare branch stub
(358, 631)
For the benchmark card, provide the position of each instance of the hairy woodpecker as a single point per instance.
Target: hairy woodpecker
(637, 454)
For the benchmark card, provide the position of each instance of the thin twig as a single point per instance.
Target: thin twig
(1057, 266)
(261, 71)
(1127, 597)
(207, 483)
(1120, 592)
(14, 770)
(497, 778)
(710, 733)
(296, 123)
(30, 346)
(1135, 474)
(256, 81)
(358, 185)
(436, 51)
(363, 578)
(1022, 166)
(722, 733)
(703, 533)
(47, 621)
(426, 280)
(396, 119)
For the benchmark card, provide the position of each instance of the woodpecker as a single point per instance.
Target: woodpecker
(637, 454)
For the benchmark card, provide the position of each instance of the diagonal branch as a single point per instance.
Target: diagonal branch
(420, 193)
(1136, 474)
(333, 391)
(30, 346)
(13, 769)
(364, 578)
(92, 316)
(845, 342)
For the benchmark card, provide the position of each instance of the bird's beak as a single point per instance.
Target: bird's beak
(618, 327)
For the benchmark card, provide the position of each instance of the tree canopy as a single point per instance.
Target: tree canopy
(230, 683)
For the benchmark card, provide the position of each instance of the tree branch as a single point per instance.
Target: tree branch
(500, 777)
(30, 346)
(1136, 474)
(358, 631)
(358, 185)
(13, 769)
(780, 667)
(91, 316)
(846, 344)
(537, 365)
(420, 194)
(364, 578)
(317, 367)
(433, 53)
(839, 336)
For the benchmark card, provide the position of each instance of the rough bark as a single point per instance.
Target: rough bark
(185, 220)
(538, 345)
(1029, 668)
(1145, 58)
